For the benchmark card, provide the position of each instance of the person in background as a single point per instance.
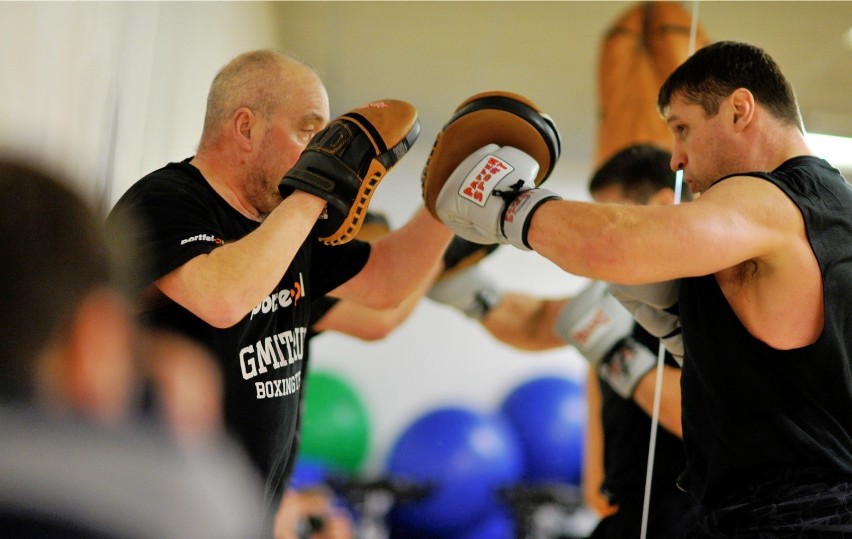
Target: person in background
(75, 460)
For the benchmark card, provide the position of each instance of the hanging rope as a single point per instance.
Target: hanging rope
(661, 353)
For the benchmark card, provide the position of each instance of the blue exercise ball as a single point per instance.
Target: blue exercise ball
(308, 473)
(498, 524)
(548, 415)
(465, 456)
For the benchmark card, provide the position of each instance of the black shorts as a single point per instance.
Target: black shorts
(670, 516)
(789, 504)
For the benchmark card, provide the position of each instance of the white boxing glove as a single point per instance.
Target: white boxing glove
(594, 322)
(472, 291)
(600, 328)
(491, 195)
(625, 367)
(654, 307)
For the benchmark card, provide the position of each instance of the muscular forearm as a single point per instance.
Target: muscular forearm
(525, 322)
(370, 324)
(400, 264)
(614, 243)
(224, 285)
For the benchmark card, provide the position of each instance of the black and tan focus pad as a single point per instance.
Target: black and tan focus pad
(502, 118)
(345, 162)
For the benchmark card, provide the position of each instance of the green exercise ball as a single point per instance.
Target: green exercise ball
(335, 424)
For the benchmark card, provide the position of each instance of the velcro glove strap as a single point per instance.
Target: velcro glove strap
(519, 212)
(625, 367)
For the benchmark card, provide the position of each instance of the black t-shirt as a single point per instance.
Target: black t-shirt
(261, 357)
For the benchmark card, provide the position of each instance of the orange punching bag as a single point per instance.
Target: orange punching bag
(638, 52)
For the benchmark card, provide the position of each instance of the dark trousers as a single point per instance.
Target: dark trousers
(670, 516)
(789, 504)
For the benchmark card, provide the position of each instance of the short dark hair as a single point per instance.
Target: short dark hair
(53, 251)
(715, 71)
(641, 170)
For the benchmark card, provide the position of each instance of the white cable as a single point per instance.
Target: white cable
(693, 29)
(655, 419)
(658, 387)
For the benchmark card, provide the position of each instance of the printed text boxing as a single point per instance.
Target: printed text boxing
(274, 352)
(278, 388)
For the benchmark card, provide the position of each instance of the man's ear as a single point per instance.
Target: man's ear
(664, 196)
(742, 104)
(100, 366)
(243, 124)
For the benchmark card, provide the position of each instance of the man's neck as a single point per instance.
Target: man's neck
(224, 182)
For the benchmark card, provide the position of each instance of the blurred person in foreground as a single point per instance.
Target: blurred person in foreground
(75, 461)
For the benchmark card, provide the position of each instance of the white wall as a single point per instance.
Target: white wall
(110, 90)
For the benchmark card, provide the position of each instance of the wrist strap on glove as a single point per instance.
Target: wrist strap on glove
(625, 367)
(520, 206)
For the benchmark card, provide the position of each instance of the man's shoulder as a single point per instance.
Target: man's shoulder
(179, 176)
(166, 186)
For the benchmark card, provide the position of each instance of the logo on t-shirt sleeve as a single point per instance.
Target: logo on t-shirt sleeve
(203, 237)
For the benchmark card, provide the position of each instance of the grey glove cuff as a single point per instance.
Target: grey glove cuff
(471, 291)
(625, 367)
(515, 222)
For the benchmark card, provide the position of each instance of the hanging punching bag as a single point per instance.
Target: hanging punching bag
(638, 52)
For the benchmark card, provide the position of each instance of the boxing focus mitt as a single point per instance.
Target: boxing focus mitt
(344, 163)
(490, 118)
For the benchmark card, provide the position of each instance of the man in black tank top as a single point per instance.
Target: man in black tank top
(759, 268)
(615, 463)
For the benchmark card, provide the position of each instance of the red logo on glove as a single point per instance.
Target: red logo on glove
(590, 327)
(482, 179)
(375, 105)
(512, 210)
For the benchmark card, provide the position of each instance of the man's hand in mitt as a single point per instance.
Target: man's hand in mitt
(344, 163)
(513, 132)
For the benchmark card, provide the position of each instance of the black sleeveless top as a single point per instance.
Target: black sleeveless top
(749, 408)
